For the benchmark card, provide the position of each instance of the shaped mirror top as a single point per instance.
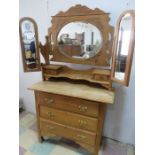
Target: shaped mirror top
(79, 40)
(123, 49)
(123, 46)
(29, 44)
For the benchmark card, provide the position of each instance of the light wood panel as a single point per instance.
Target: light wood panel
(82, 91)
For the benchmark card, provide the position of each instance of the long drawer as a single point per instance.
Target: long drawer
(49, 127)
(68, 118)
(81, 106)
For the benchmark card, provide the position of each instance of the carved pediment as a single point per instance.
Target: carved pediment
(79, 10)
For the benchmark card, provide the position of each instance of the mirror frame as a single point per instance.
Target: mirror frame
(79, 13)
(130, 49)
(38, 68)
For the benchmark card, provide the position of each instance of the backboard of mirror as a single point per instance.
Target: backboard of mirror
(81, 36)
(29, 44)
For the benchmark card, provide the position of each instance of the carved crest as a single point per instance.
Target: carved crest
(79, 10)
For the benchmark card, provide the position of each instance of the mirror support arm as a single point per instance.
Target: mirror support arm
(45, 50)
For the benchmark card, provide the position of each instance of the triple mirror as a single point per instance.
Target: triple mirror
(29, 44)
(82, 40)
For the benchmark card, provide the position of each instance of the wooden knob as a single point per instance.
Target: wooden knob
(83, 108)
(51, 127)
(50, 114)
(82, 123)
(81, 136)
(49, 100)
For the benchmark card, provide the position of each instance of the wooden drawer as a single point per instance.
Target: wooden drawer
(101, 77)
(71, 104)
(69, 118)
(49, 127)
(50, 71)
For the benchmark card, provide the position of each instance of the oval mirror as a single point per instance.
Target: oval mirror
(123, 48)
(79, 40)
(29, 44)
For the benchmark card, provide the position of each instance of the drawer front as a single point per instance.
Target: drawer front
(68, 118)
(49, 71)
(71, 104)
(49, 127)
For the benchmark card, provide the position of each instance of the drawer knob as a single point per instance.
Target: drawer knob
(82, 123)
(50, 114)
(82, 108)
(49, 101)
(81, 136)
(50, 127)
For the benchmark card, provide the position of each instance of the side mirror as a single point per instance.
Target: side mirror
(29, 44)
(123, 48)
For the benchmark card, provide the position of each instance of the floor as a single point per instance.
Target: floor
(29, 145)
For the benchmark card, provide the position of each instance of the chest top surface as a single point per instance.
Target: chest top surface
(77, 90)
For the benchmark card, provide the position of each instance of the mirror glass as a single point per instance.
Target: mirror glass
(79, 40)
(29, 45)
(123, 43)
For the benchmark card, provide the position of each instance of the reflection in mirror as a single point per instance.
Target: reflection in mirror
(79, 40)
(123, 46)
(29, 43)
